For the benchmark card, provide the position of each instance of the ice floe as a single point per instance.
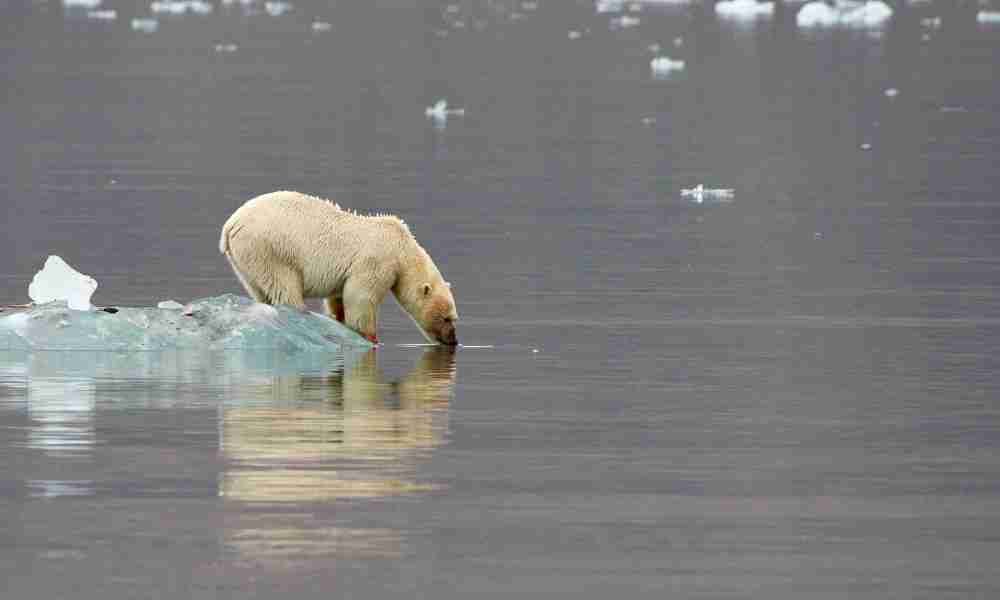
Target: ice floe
(103, 15)
(222, 322)
(625, 21)
(145, 25)
(663, 66)
(988, 17)
(321, 26)
(81, 3)
(700, 194)
(180, 7)
(440, 111)
(276, 9)
(844, 13)
(57, 281)
(744, 9)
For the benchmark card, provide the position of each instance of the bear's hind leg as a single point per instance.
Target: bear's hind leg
(285, 287)
(255, 292)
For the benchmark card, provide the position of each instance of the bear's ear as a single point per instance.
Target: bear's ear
(426, 289)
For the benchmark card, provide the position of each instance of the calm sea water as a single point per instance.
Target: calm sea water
(790, 394)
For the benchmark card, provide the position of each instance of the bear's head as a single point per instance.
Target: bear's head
(426, 297)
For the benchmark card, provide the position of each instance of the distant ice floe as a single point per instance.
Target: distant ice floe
(321, 26)
(844, 13)
(276, 9)
(440, 112)
(625, 21)
(664, 66)
(180, 7)
(744, 9)
(145, 25)
(226, 48)
(700, 194)
(57, 281)
(103, 15)
(988, 17)
(574, 34)
(169, 305)
(607, 6)
(81, 3)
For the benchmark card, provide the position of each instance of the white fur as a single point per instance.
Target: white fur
(286, 246)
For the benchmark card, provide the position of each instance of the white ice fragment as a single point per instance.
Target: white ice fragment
(574, 35)
(59, 281)
(625, 21)
(276, 9)
(844, 13)
(170, 305)
(891, 93)
(82, 3)
(866, 146)
(606, 6)
(180, 7)
(678, 42)
(664, 65)
(744, 9)
(529, 6)
(225, 48)
(321, 26)
(649, 121)
(145, 25)
(103, 15)
(441, 112)
(700, 193)
(988, 17)
(931, 22)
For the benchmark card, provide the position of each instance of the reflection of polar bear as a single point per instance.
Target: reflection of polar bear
(286, 246)
(283, 453)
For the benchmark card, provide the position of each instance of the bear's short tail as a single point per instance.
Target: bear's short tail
(224, 238)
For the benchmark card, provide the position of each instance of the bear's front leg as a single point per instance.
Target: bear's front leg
(361, 309)
(335, 307)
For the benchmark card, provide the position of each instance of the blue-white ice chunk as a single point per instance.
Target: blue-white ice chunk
(222, 322)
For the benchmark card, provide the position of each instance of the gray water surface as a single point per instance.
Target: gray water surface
(791, 394)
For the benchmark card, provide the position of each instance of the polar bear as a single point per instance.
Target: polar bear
(286, 246)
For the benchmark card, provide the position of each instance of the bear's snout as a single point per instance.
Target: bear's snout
(447, 334)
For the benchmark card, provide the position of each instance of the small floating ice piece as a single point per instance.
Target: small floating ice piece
(744, 9)
(866, 146)
(276, 9)
(225, 48)
(103, 15)
(891, 93)
(321, 26)
(170, 305)
(931, 22)
(988, 17)
(700, 193)
(145, 25)
(529, 6)
(180, 7)
(606, 6)
(625, 21)
(574, 35)
(59, 281)
(845, 13)
(82, 3)
(664, 65)
(441, 112)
